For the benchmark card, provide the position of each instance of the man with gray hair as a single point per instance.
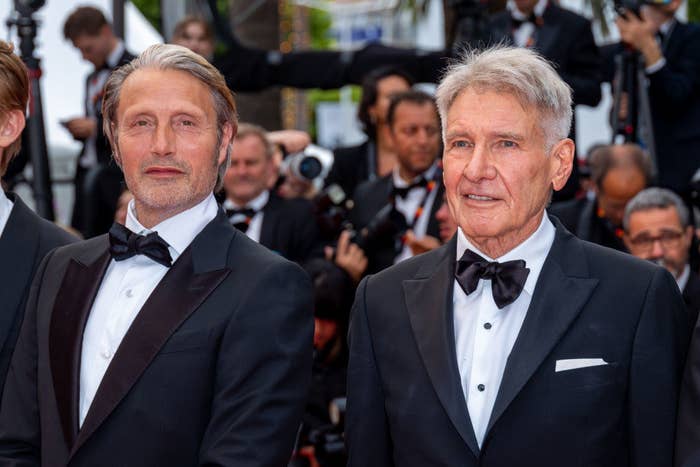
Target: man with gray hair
(174, 340)
(657, 228)
(516, 343)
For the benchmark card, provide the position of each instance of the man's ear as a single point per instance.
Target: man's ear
(11, 127)
(229, 131)
(563, 155)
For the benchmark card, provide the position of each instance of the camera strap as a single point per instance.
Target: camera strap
(429, 187)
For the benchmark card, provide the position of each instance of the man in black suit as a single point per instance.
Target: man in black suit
(25, 238)
(670, 51)
(515, 344)
(618, 173)
(174, 340)
(98, 182)
(657, 228)
(406, 199)
(285, 226)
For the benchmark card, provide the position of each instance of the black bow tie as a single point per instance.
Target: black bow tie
(247, 212)
(124, 244)
(516, 23)
(507, 279)
(402, 192)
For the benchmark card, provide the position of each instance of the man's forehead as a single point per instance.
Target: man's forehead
(146, 87)
(655, 217)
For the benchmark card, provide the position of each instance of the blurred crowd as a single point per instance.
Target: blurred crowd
(348, 212)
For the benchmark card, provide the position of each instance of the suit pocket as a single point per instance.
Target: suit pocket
(588, 377)
(187, 341)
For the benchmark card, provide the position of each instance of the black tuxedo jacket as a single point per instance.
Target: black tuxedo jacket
(580, 217)
(26, 239)
(289, 228)
(405, 401)
(372, 196)
(691, 297)
(214, 370)
(566, 39)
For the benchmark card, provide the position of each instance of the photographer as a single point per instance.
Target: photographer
(406, 199)
(670, 51)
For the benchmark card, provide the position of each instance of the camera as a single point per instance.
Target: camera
(328, 440)
(314, 162)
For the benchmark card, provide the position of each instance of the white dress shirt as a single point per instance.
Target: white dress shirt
(5, 210)
(257, 204)
(95, 87)
(126, 286)
(682, 280)
(522, 35)
(409, 205)
(484, 335)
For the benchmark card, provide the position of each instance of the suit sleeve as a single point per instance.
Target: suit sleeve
(583, 71)
(688, 431)
(263, 373)
(20, 435)
(673, 87)
(366, 429)
(658, 354)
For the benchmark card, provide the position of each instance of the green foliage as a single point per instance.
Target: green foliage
(151, 10)
(694, 10)
(320, 23)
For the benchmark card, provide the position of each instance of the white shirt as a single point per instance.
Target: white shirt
(256, 204)
(95, 88)
(5, 210)
(409, 205)
(682, 280)
(484, 335)
(666, 29)
(126, 286)
(525, 31)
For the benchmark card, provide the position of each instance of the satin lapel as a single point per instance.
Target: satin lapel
(429, 304)
(561, 291)
(188, 283)
(70, 311)
(19, 245)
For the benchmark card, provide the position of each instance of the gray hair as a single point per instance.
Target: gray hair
(173, 57)
(249, 129)
(512, 70)
(656, 198)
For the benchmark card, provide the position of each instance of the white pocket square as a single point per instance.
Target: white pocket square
(574, 363)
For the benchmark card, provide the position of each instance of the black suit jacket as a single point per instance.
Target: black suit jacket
(370, 197)
(580, 217)
(691, 297)
(214, 370)
(26, 239)
(405, 400)
(289, 228)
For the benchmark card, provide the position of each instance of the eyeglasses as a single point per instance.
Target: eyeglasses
(668, 239)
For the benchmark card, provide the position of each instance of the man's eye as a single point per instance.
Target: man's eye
(140, 123)
(509, 144)
(460, 144)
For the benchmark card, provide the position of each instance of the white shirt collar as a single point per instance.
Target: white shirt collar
(256, 204)
(5, 210)
(401, 183)
(682, 280)
(517, 14)
(666, 27)
(180, 229)
(116, 54)
(533, 250)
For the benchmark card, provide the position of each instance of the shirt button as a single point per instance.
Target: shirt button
(487, 326)
(129, 293)
(481, 387)
(106, 354)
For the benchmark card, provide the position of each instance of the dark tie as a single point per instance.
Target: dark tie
(402, 192)
(124, 244)
(242, 225)
(507, 279)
